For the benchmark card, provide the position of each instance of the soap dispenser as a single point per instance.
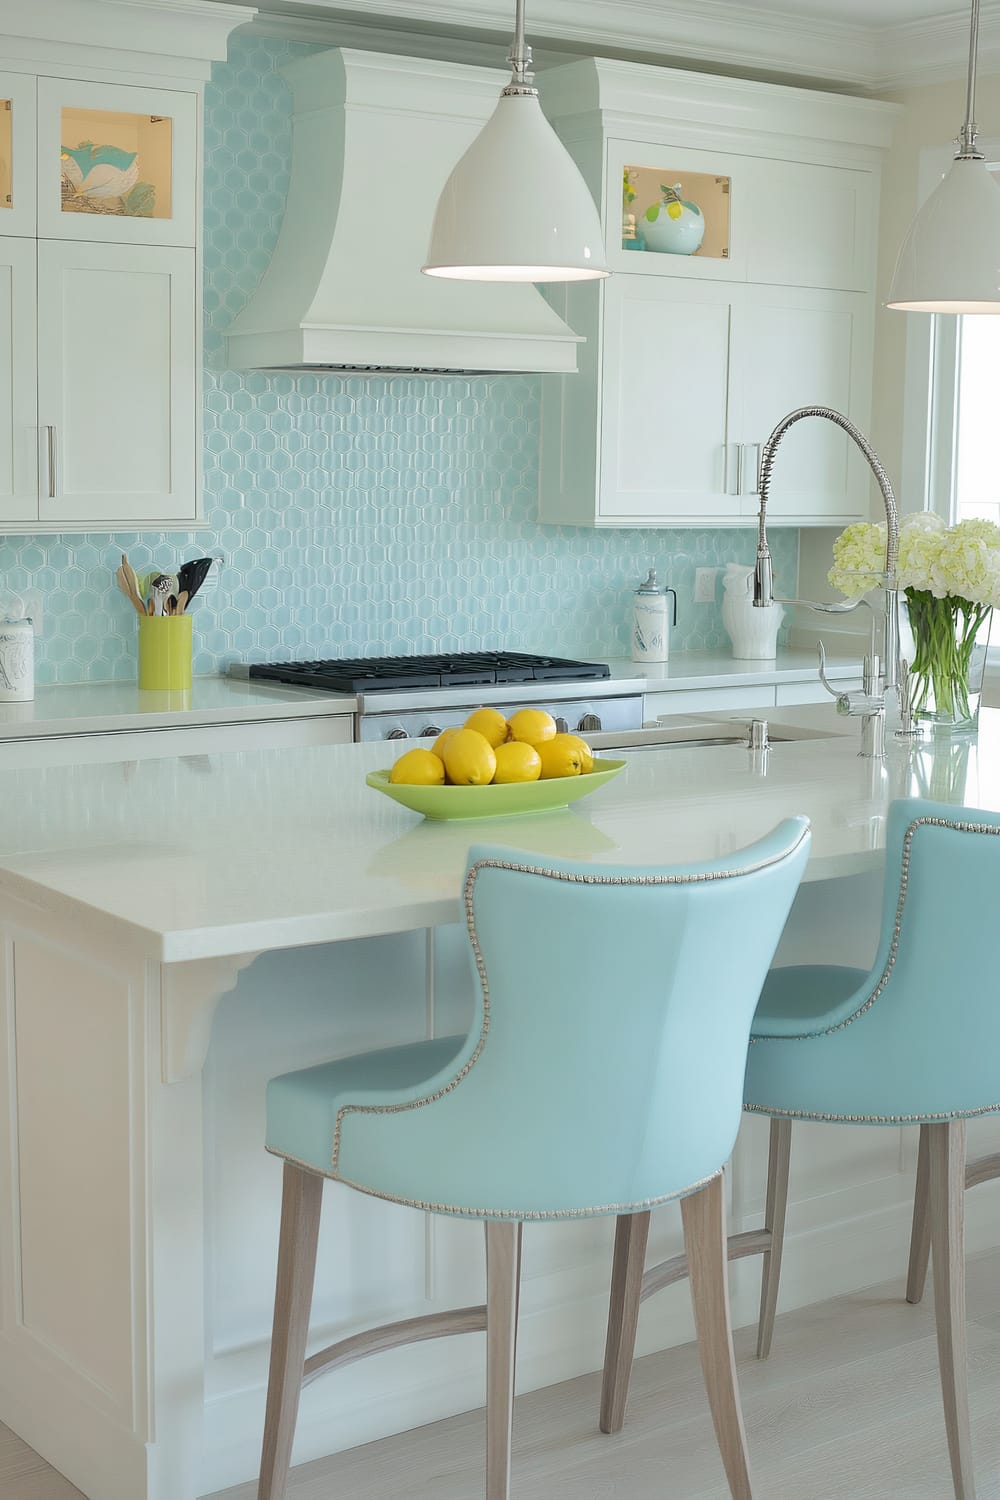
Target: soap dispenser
(651, 620)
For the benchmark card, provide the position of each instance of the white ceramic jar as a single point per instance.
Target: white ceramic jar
(651, 617)
(17, 661)
(753, 632)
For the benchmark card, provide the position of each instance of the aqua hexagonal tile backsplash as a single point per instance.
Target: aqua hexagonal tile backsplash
(356, 515)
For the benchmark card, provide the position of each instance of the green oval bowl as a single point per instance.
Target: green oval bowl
(510, 799)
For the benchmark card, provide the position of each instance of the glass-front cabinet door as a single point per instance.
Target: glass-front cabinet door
(680, 211)
(116, 163)
(17, 154)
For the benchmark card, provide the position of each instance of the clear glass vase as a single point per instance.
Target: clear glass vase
(950, 639)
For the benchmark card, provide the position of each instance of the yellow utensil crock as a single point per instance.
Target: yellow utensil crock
(165, 653)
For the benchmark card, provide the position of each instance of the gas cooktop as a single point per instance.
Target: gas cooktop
(458, 669)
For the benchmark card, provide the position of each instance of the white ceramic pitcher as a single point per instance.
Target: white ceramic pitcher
(753, 632)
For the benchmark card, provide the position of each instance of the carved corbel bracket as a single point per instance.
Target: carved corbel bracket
(189, 993)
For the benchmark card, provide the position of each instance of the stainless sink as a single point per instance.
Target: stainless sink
(666, 734)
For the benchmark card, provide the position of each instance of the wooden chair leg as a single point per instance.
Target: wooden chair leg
(946, 1173)
(778, 1156)
(631, 1234)
(920, 1234)
(301, 1198)
(503, 1264)
(704, 1219)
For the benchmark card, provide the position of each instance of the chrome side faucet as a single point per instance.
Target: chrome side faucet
(882, 669)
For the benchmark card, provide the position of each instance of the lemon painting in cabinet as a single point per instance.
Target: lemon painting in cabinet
(667, 210)
(113, 162)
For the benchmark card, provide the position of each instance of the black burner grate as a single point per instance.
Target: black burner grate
(459, 669)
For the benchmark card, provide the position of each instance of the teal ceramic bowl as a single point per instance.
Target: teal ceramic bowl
(510, 799)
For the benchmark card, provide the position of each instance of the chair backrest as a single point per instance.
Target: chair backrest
(925, 1026)
(604, 1067)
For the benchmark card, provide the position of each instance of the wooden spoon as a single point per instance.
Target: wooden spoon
(132, 579)
(130, 595)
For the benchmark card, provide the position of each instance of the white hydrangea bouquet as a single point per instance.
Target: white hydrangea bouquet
(950, 577)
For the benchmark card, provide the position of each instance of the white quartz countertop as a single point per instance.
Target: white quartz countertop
(108, 707)
(708, 669)
(249, 851)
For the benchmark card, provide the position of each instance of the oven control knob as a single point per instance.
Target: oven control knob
(430, 732)
(590, 723)
(397, 734)
(562, 726)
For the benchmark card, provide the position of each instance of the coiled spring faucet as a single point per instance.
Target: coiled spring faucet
(881, 673)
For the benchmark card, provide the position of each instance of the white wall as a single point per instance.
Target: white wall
(932, 117)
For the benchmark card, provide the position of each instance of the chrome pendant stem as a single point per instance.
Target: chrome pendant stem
(520, 58)
(967, 136)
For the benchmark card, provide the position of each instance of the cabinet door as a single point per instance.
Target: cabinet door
(117, 385)
(809, 225)
(665, 402)
(17, 154)
(802, 348)
(116, 163)
(18, 394)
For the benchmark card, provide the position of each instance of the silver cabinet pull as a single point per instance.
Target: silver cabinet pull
(50, 449)
(727, 467)
(742, 488)
(756, 467)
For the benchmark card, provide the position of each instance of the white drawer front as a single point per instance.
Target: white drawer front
(706, 700)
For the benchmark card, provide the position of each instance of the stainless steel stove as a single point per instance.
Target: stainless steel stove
(404, 697)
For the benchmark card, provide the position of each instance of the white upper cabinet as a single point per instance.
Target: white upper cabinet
(116, 384)
(18, 370)
(100, 224)
(741, 223)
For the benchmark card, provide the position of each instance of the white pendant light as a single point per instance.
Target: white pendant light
(950, 260)
(516, 208)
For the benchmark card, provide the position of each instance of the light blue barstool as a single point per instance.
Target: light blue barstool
(602, 1075)
(914, 1041)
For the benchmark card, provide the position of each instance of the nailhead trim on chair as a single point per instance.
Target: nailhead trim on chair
(699, 877)
(518, 1214)
(965, 1114)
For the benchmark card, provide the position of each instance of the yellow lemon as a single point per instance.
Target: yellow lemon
(560, 756)
(442, 740)
(469, 759)
(490, 723)
(517, 761)
(532, 725)
(586, 754)
(418, 768)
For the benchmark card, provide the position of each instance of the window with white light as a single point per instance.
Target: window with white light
(975, 492)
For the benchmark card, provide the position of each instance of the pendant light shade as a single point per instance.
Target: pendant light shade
(950, 259)
(516, 207)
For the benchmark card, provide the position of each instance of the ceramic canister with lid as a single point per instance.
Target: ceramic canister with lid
(651, 619)
(17, 661)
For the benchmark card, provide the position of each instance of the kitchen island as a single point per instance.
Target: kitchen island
(176, 932)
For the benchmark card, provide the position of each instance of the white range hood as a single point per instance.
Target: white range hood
(375, 137)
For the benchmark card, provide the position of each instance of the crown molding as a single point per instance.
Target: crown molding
(179, 37)
(719, 34)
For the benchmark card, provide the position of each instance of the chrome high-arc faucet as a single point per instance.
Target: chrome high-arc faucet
(882, 670)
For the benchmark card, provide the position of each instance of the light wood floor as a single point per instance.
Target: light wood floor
(847, 1408)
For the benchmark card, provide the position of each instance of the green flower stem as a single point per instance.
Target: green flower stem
(944, 635)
